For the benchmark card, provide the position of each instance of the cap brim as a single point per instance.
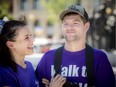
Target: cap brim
(68, 11)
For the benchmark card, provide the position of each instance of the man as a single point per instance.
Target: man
(75, 24)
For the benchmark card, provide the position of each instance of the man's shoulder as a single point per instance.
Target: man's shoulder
(50, 52)
(47, 55)
(100, 54)
(99, 51)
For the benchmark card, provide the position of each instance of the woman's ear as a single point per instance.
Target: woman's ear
(9, 44)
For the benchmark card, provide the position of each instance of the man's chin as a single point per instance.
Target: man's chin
(70, 39)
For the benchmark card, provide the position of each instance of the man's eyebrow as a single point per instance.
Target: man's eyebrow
(76, 20)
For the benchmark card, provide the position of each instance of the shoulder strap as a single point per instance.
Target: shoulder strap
(89, 63)
(58, 60)
(90, 66)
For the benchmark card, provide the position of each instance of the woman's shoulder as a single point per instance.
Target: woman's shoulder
(6, 71)
(29, 64)
(4, 68)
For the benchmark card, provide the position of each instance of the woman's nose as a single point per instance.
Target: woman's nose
(32, 39)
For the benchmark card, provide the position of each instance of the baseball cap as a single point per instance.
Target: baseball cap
(76, 9)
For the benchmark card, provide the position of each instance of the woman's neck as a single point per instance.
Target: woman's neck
(20, 60)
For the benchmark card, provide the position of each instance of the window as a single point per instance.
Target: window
(97, 2)
(36, 4)
(23, 4)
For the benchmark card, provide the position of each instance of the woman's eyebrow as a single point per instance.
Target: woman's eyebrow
(27, 35)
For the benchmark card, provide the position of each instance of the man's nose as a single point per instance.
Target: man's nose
(70, 26)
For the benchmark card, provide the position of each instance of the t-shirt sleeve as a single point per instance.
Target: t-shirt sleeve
(7, 79)
(104, 73)
(32, 74)
(41, 70)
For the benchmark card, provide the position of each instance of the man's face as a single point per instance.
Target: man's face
(73, 28)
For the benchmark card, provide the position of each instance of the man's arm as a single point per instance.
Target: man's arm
(41, 70)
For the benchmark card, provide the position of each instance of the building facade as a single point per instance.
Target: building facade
(36, 16)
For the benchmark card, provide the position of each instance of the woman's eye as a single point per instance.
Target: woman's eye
(65, 24)
(31, 35)
(27, 38)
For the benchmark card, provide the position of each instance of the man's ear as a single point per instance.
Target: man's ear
(87, 26)
(9, 44)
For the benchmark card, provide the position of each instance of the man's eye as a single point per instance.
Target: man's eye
(75, 23)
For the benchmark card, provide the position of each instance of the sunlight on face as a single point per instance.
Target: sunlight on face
(73, 28)
(23, 44)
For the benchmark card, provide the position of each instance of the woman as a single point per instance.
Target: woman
(16, 41)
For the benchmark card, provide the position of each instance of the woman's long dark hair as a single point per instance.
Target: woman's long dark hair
(8, 33)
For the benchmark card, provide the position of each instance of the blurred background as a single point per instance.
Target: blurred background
(42, 17)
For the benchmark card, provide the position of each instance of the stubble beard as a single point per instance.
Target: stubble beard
(70, 38)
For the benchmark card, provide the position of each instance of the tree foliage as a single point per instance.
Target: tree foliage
(4, 10)
(54, 7)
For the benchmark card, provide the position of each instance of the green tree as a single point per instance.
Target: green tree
(4, 10)
(54, 7)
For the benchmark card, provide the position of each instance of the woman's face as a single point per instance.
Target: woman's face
(23, 44)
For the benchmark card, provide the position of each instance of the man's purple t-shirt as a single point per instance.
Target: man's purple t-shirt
(25, 77)
(74, 68)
